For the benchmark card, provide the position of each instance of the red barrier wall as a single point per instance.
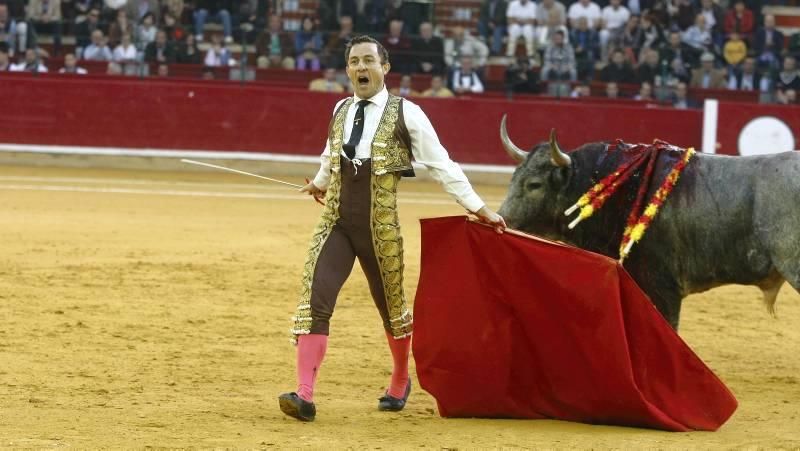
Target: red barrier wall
(734, 116)
(189, 114)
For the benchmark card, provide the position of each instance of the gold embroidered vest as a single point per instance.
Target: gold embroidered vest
(391, 159)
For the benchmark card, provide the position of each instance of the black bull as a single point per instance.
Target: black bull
(729, 220)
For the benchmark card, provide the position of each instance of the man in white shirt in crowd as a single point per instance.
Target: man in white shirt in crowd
(71, 66)
(466, 79)
(31, 63)
(584, 8)
(613, 20)
(521, 18)
(98, 50)
(371, 140)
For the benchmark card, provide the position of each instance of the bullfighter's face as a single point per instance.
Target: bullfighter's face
(366, 70)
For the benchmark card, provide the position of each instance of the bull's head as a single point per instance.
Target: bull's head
(535, 197)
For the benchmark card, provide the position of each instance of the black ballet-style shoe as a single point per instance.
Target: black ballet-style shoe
(388, 403)
(297, 407)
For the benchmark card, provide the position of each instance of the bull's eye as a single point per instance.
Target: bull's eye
(531, 186)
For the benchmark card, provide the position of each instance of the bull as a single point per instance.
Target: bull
(729, 220)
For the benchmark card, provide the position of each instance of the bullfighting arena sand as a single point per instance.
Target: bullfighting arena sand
(151, 309)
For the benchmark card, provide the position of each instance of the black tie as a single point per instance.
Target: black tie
(358, 129)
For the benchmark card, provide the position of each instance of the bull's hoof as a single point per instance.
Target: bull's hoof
(388, 403)
(297, 407)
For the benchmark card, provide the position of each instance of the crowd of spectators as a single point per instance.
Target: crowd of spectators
(558, 47)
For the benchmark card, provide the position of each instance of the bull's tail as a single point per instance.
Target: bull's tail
(770, 291)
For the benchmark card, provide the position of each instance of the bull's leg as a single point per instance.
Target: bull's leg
(664, 292)
(669, 305)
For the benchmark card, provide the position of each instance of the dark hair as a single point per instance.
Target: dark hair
(3, 47)
(364, 39)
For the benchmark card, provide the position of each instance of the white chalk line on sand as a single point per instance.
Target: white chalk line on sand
(154, 182)
(218, 194)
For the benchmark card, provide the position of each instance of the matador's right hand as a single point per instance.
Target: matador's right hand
(312, 190)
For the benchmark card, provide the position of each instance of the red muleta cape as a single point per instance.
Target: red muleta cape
(511, 326)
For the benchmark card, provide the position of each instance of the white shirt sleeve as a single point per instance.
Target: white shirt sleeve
(428, 151)
(323, 177)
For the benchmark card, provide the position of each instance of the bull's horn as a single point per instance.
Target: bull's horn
(558, 157)
(514, 152)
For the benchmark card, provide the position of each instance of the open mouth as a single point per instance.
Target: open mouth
(363, 80)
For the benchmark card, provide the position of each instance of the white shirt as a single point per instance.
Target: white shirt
(516, 10)
(615, 18)
(123, 54)
(425, 147)
(78, 71)
(591, 12)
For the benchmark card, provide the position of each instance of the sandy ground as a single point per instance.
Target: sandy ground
(151, 309)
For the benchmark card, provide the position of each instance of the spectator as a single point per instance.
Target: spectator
(559, 61)
(399, 46)
(747, 78)
(437, 89)
(584, 8)
(45, 16)
(466, 79)
(788, 78)
(274, 47)
(97, 50)
(677, 51)
(684, 14)
(645, 93)
(707, 77)
(308, 46)
(629, 39)
(113, 68)
(544, 34)
(521, 78)
(71, 66)
(618, 70)
(175, 8)
(217, 9)
(428, 51)
(734, 50)
(161, 50)
(698, 36)
(246, 19)
(613, 19)
(612, 90)
(146, 31)
(459, 44)
(714, 17)
(649, 68)
(794, 45)
(739, 20)
(680, 99)
(162, 70)
(333, 53)
(5, 60)
(208, 73)
(187, 52)
(521, 18)
(327, 83)
(137, 9)
(218, 55)
(651, 36)
(175, 31)
(375, 17)
(405, 89)
(84, 30)
(788, 97)
(120, 26)
(548, 9)
(581, 90)
(12, 32)
(587, 48)
(125, 54)
(492, 23)
(769, 43)
(31, 63)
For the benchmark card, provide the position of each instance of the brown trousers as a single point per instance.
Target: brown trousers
(351, 237)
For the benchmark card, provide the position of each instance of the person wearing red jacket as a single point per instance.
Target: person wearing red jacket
(739, 20)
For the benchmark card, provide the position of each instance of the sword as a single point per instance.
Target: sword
(200, 163)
